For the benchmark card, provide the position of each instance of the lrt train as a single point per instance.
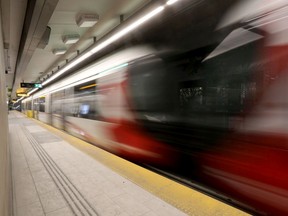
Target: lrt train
(220, 122)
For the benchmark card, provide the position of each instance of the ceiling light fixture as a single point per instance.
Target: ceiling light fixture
(59, 51)
(105, 43)
(70, 39)
(170, 2)
(87, 20)
(34, 90)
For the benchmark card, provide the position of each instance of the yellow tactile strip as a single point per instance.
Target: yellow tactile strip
(186, 199)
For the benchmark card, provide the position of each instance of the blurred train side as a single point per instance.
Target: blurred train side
(220, 121)
(98, 108)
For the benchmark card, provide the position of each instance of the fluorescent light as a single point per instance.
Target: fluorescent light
(104, 44)
(67, 67)
(109, 65)
(19, 99)
(34, 90)
(170, 2)
(97, 75)
(127, 29)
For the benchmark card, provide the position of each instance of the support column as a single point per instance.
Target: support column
(5, 173)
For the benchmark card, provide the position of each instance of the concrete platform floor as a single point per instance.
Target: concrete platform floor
(51, 177)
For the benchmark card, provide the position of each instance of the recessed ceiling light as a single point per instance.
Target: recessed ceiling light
(87, 20)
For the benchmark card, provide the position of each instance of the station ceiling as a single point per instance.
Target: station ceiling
(29, 46)
(34, 29)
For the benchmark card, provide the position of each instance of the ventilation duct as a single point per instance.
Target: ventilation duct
(45, 38)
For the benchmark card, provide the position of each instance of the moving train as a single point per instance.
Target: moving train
(216, 117)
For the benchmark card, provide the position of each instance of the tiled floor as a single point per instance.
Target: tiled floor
(51, 177)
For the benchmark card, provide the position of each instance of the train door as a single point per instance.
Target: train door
(36, 108)
(57, 109)
(81, 111)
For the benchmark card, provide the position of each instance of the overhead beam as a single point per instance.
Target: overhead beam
(37, 16)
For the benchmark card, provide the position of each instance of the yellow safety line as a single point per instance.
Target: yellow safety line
(184, 198)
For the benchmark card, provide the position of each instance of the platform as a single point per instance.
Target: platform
(55, 174)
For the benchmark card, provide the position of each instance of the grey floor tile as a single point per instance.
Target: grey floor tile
(34, 209)
(26, 194)
(61, 212)
(130, 204)
(41, 175)
(34, 128)
(162, 208)
(19, 163)
(90, 193)
(151, 214)
(112, 211)
(45, 137)
(52, 201)
(32, 158)
(22, 175)
(101, 201)
(36, 167)
(138, 193)
(112, 190)
(44, 187)
(95, 177)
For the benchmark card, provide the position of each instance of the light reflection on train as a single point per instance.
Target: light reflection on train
(222, 123)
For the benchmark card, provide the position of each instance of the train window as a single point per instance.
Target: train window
(81, 99)
(84, 109)
(41, 102)
(28, 105)
(112, 98)
(57, 102)
(222, 89)
(190, 93)
(35, 104)
(151, 88)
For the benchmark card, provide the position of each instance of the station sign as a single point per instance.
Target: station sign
(22, 94)
(31, 85)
